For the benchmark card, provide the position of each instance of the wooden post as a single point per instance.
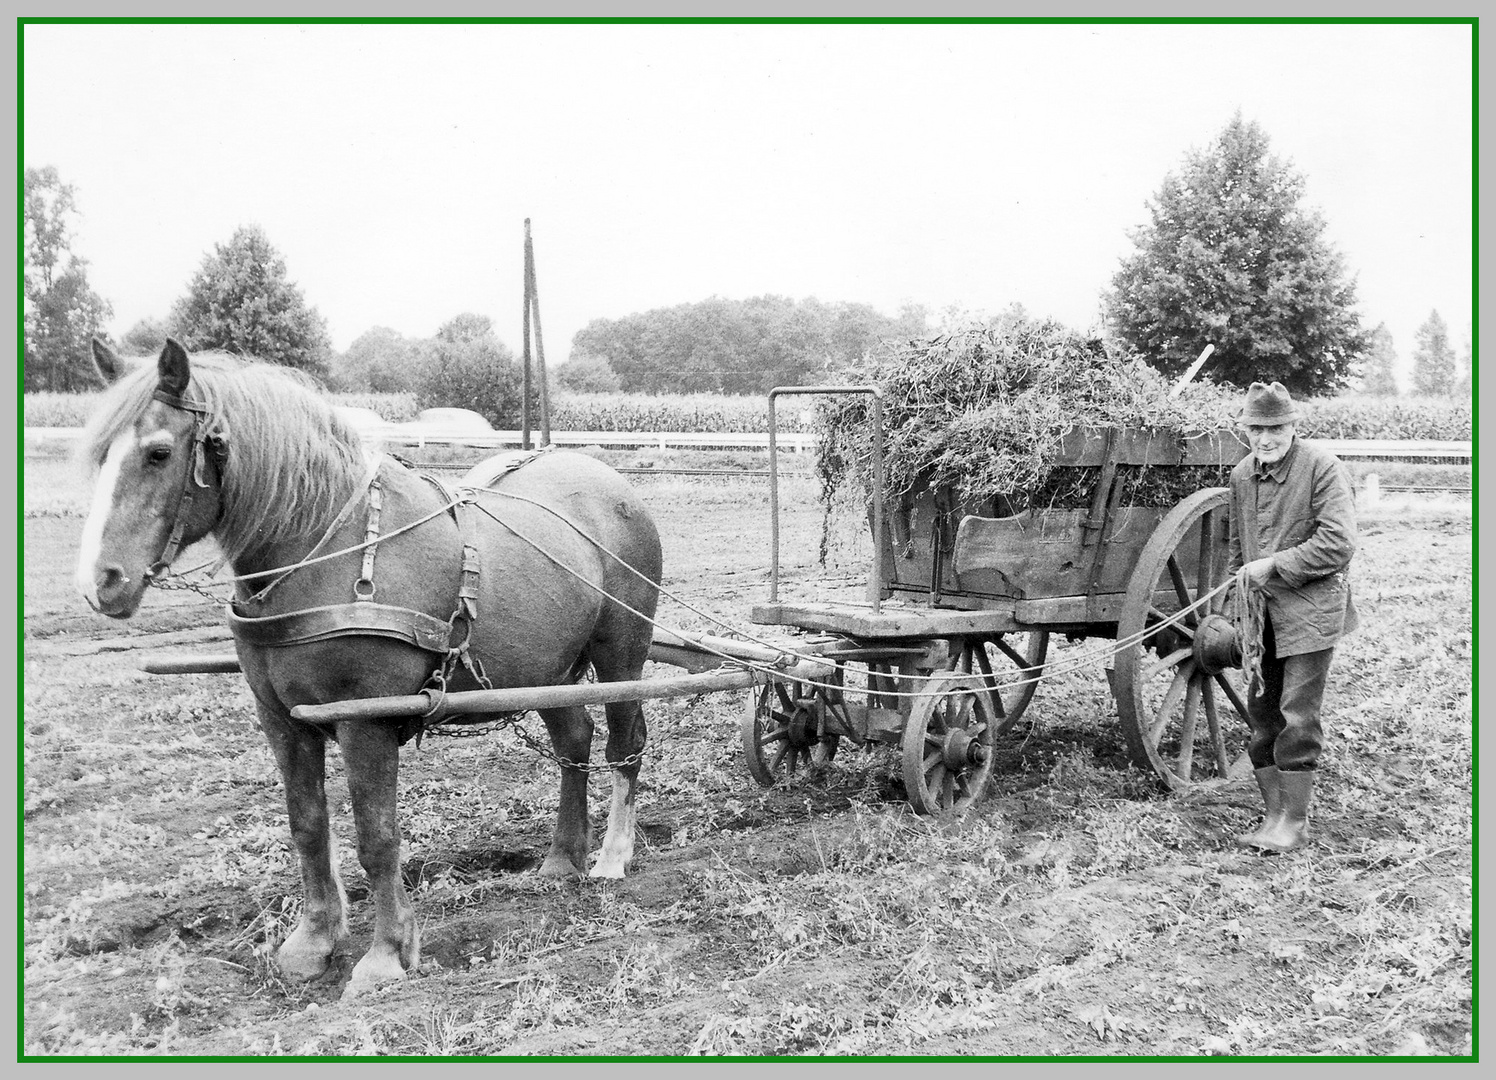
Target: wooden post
(524, 405)
(534, 295)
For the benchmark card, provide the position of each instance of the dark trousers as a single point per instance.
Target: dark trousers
(1283, 707)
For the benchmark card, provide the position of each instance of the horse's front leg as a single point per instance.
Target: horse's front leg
(371, 756)
(300, 752)
(571, 736)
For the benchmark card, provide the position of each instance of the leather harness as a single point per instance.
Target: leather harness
(364, 616)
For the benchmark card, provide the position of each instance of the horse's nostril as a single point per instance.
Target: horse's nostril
(112, 578)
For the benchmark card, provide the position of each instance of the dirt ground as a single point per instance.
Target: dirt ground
(1080, 910)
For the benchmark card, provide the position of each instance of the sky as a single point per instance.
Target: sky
(968, 167)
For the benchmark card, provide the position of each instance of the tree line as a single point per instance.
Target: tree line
(1230, 255)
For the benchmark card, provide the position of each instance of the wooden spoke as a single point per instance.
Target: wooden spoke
(1205, 561)
(1167, 662)
(1217, 737)
(1171, 698)
(1187, 730)
(1181, 590)
(1178, 627)
(1231, 694)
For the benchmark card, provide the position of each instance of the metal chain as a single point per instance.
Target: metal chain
(184, 585)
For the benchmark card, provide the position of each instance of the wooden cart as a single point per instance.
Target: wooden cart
(965, 596)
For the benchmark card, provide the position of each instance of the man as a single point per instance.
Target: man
(1293, 529)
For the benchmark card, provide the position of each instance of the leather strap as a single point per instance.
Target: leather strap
(340, 620)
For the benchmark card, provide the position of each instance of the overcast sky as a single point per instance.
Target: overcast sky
(972, 165)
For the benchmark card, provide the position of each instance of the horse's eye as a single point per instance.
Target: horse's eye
(158, 455)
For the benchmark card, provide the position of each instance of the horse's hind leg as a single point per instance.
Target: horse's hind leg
(626, 734)
(301, 754)
(571, 736)
(371, 755)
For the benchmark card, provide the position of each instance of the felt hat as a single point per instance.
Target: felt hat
(1268, 405)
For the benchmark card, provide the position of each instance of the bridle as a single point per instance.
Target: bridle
(206, 444)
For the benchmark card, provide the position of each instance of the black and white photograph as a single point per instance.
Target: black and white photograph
(759, 539)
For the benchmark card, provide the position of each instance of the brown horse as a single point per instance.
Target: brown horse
(252, 455)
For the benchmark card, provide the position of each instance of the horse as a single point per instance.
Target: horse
(546, 567)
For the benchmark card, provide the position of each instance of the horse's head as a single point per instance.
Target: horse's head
(159, 456)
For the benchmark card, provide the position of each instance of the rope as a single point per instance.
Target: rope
(1250, 609)
(769, 669)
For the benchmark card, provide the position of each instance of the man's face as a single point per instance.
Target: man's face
(1270, 441)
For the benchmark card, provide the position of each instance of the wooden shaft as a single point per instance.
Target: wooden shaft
(192, 665)
(523, 698)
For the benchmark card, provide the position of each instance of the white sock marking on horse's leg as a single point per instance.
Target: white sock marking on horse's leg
(92, 543)
(618, 845)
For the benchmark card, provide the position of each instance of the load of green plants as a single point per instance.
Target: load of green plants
(981, 412)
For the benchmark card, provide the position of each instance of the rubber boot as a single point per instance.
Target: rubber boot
(1267, 783)
(1296, 789)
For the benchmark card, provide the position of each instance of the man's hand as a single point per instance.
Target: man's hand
(1259, 570)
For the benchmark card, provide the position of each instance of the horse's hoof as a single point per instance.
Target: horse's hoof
(373, 971)
(559, 867)
(302, 960)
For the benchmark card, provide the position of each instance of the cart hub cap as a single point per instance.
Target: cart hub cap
(802, 726)
(961, 750)
(1216, 648)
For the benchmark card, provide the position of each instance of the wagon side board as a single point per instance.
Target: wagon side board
(968, 556)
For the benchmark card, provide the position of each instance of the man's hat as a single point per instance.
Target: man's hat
(1269, 405)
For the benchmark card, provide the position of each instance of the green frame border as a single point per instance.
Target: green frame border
(1471, 21)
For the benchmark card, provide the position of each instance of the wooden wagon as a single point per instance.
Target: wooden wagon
(965, 596)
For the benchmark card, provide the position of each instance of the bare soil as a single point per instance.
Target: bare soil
(1079, 910)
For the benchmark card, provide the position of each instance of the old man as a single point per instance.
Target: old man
(1293, 532)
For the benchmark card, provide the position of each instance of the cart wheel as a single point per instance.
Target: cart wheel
(779, 734)
(1004, 660)
(1164, 681)
(947, 745)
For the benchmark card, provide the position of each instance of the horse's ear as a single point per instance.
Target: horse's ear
(173, 369)
(108, 363)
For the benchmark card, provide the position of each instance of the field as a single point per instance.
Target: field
(1079, 911)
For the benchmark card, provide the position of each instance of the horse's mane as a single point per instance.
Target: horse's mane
(292, 460)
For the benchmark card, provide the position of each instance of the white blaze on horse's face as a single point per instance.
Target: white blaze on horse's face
(134, 505)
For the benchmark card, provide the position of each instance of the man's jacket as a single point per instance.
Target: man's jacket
(1301, 512)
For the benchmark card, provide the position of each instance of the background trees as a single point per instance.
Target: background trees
(241, 300)
(466, 366)
(737, 346)
(1433, 358)
(61, 310)
(1377, 376)
(1232, 257)
(380, 361)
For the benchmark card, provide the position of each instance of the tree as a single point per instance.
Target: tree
(61, 311)
(1466, 386)
(1377, 376)
(380, 361)
(1433, 358)
(145, 338)
(587, 375)
(739, 346)
(1232, 258)
(466, 367)
(240, 300)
